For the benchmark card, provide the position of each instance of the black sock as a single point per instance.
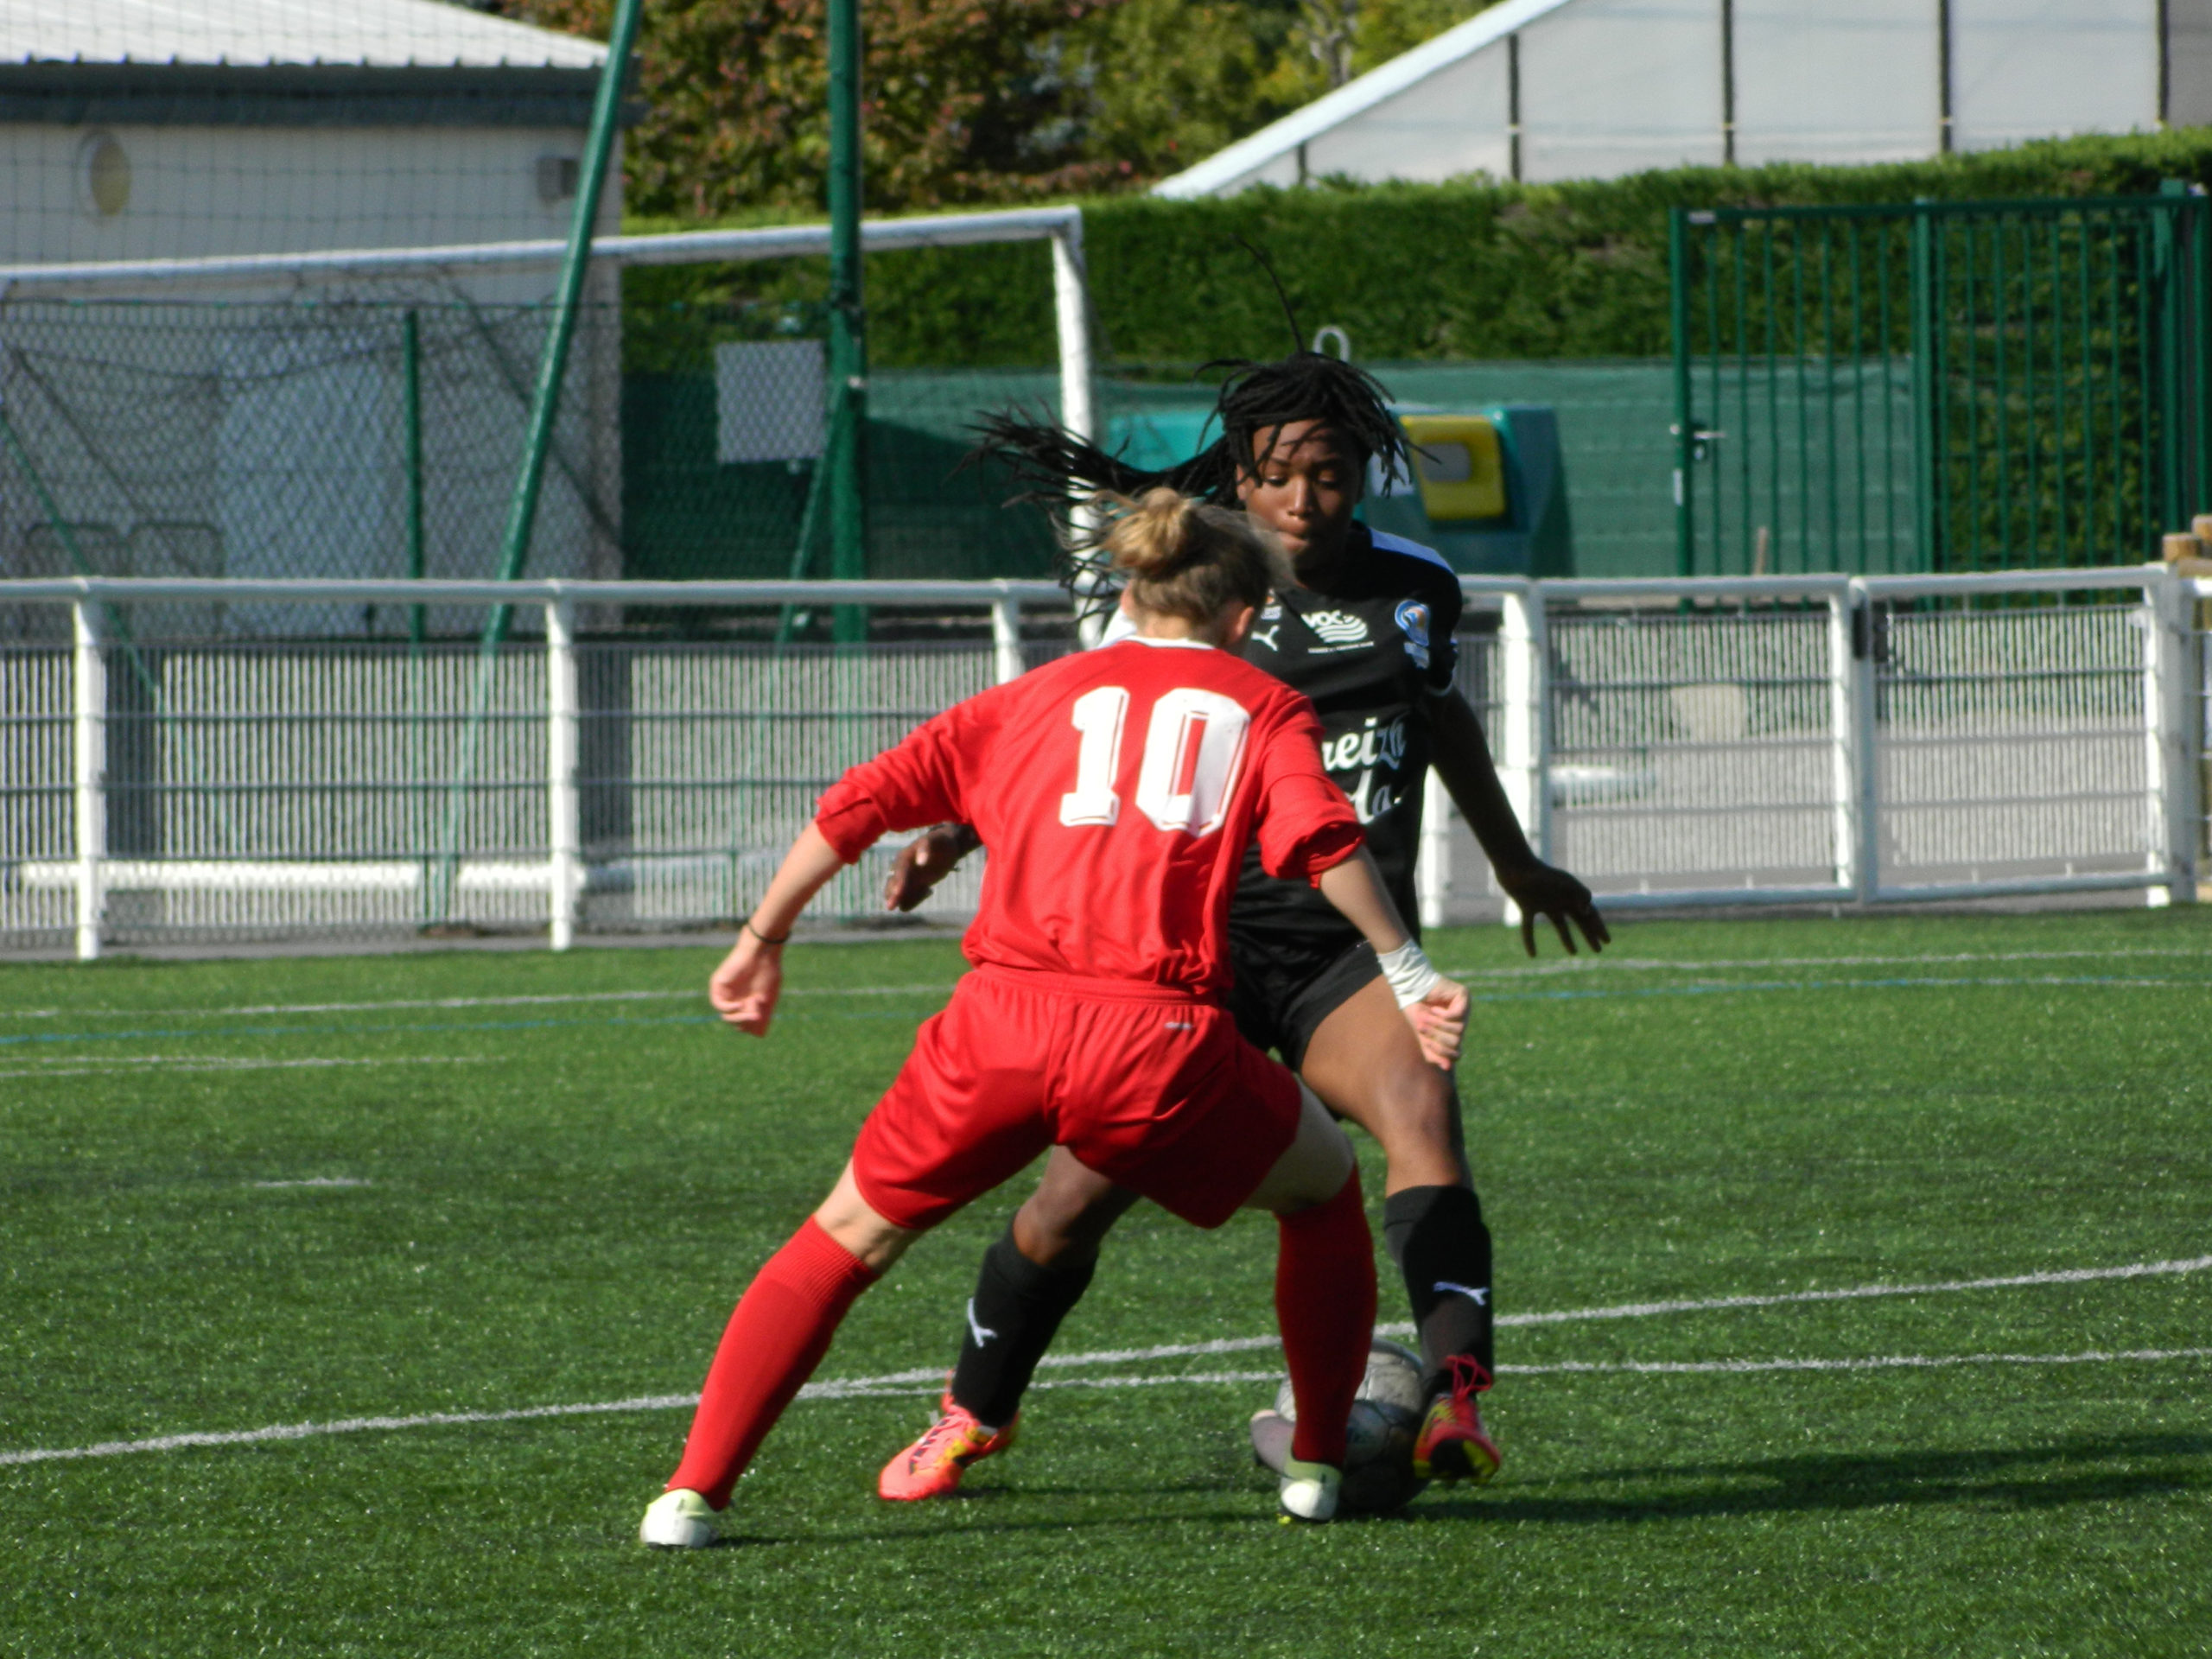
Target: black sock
(1012, 1318)
(1436, 1236)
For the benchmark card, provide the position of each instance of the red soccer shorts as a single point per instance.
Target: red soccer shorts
(1157, 1093)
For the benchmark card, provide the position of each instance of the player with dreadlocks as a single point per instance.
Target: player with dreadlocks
(1366, 631)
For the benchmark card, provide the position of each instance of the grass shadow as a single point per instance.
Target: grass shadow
(2078, 1470)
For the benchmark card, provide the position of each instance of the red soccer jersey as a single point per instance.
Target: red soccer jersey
(1115, 791)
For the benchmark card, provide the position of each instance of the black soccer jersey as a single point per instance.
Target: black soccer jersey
(1371, 653)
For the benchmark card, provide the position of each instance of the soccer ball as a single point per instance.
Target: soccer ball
(1385, 1419)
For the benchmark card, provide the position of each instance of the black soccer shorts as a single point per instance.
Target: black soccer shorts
(1284, 990)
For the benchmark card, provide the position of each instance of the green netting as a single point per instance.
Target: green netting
(380, 437)
(1613, 419)
(689, 514)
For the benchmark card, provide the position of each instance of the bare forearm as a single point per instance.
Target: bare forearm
(806, 870)
(1355, 888)
(1437, 1007)
(1461, 755)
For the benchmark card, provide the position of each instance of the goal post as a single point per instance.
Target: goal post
(187, 407)
(182, 278)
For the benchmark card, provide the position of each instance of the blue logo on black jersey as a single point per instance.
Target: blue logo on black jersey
(1412, 621)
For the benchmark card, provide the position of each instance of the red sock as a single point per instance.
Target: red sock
(778, 1336)
(1324, 1302)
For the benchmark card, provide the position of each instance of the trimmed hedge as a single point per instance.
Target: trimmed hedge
(1472, 269)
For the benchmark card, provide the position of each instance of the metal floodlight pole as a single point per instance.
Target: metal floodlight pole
(410, 342)
(845, 455)
(1678, 315)
(552, 364)
(544, 410)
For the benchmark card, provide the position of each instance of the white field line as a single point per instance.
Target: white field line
(1873, 1363)
(903, 1385)
(2060, 1276)
(346, 1008)
(420, 1003)
(1609, 963)
(1649, 1310)
(316, 1180)
(928, 1380)
(1569, 965)
(75, 1067)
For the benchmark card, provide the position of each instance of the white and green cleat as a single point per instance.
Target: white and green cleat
(678, 1520)
(1309, 1490)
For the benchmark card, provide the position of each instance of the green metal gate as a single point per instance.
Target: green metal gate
(1943, 386)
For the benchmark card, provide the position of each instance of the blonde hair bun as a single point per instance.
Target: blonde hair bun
(1185, 557)
(1153, 535)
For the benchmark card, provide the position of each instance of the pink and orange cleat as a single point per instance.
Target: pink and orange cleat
(932, 1466)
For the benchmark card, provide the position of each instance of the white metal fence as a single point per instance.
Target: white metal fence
(1833, 740)
(1814, 739)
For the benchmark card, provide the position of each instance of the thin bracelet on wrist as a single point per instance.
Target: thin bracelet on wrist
(763, 937)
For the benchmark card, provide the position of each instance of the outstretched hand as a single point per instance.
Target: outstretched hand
(1439, 1022)
(745, 987)
(925, 861)
(1540, 890)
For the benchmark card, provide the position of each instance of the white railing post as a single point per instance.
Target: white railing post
(563, 819)
(2170, 734)
(1855, 814)
(1006, 640)
(1432, 860)
(1524, 756)
(88, 722)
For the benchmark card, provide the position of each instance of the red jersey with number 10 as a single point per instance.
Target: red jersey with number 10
(1115, 791)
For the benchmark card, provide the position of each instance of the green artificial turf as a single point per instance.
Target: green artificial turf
(556, 1201)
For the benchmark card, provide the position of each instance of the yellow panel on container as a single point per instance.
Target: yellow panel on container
(1459, 465)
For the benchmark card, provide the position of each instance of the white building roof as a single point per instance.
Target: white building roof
(365, 33)
(1542, 90)
(1247, 156)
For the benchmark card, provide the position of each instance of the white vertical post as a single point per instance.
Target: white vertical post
(1866, 766)
(2170, 734)
(1006, 639)
(1432, 862)
(1524, 756)
(1850, 746)
(89, 733)
(1071, 317)
(1079, 409)
(564, 820)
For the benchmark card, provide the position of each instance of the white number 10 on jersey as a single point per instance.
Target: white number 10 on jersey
(1193, 749)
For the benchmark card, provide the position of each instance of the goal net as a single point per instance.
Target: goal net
(274, 286)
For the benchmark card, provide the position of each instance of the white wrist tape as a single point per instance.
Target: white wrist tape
(1410, 973)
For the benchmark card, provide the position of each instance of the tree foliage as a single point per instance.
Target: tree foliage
(963, 101)
(972, 100)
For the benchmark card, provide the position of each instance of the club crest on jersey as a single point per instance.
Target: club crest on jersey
(1412, 621)
(1337, 628)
